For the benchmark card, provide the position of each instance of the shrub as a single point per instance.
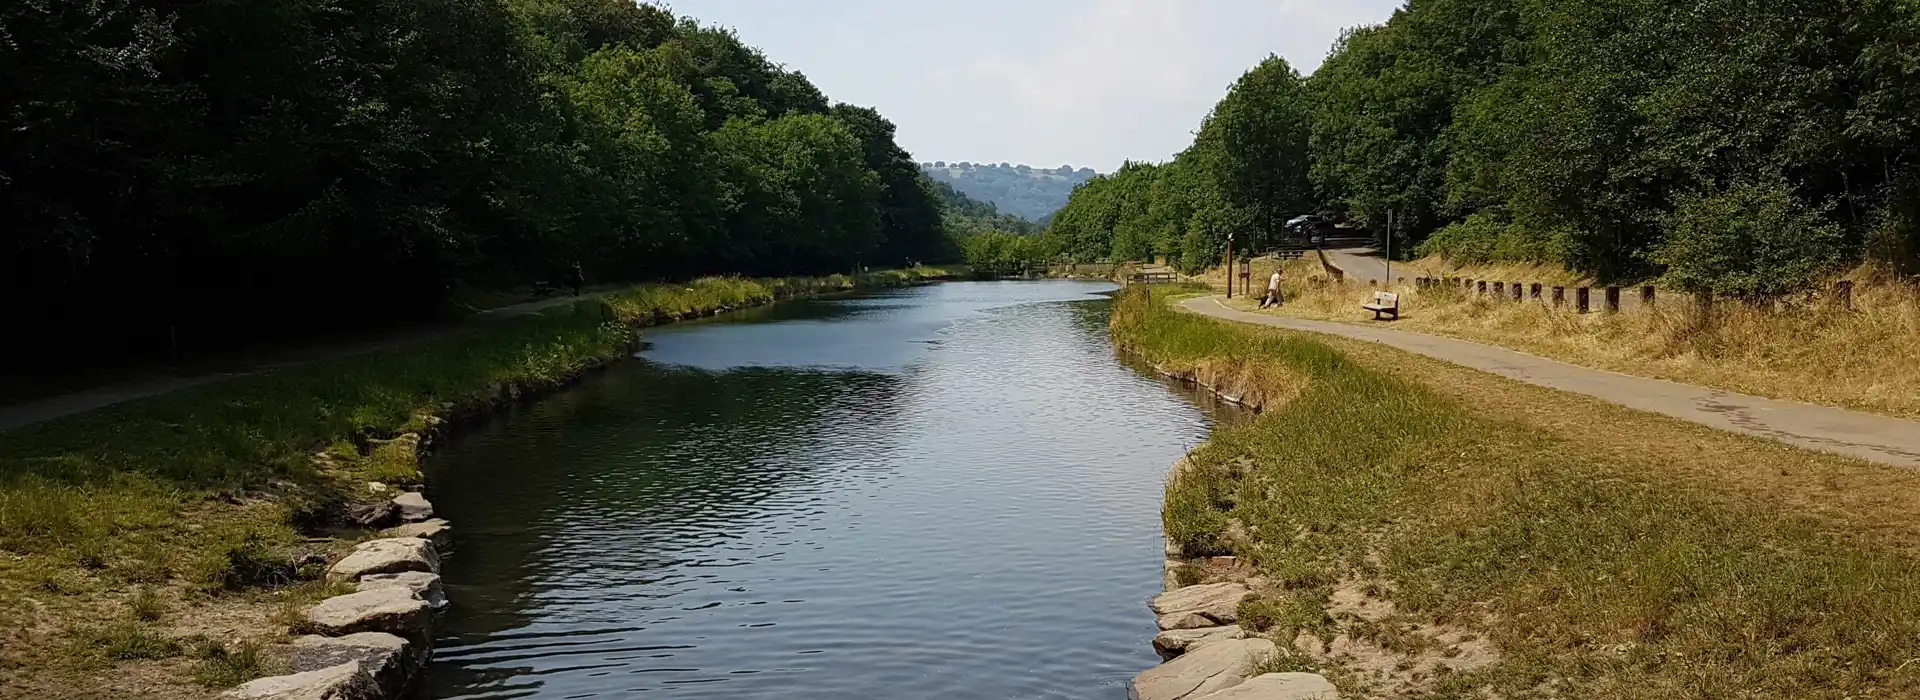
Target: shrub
(147, 606)
(1754, 239)
(251, 561)
(1491, 236)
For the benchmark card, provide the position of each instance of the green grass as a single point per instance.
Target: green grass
(218, 666)
(208, 488)
(1599, 573)
(125, 640)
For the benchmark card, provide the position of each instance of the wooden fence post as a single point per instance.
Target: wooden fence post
(1516, 291)
(1582, 298)
(1499, 289)
(1843, 293)
(1559, 296)
(1536, 291)
(1613, 299)
(1646, 295)
(1482, 288)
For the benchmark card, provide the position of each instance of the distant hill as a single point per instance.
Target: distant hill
(968, 216)
(1030, 193)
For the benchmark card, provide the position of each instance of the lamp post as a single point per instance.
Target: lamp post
(1229, 264)
(1389, 280)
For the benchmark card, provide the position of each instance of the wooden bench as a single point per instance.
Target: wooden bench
(1153, 277)
(1384, 303)
(542, 289)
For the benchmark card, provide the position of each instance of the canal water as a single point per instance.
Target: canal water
(948, 491)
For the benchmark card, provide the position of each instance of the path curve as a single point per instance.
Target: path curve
(1882, 439)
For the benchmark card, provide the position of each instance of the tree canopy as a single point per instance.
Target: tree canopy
(224, 169)
(1716, 142)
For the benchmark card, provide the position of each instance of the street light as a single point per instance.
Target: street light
(1229, 264)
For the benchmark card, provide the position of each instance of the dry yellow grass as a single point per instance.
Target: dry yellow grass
(1801, 350)
(1650, 559)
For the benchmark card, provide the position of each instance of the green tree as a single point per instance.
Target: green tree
(1261, 128)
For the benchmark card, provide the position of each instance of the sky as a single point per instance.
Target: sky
(1044, 82)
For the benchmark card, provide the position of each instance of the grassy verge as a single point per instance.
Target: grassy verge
(1867, 359)
(128, 533)
(1429, 531)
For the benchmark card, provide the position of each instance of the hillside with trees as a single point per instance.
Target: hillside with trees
(1734, 147)
(180, 177)
(966, 216)
(1027, 192)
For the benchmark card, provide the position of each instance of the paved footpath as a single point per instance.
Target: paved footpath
(1867, 436)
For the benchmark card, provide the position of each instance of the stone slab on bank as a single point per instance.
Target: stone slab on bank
(347, 681)
(1207, 669)
(435, 530)
(389, 660)
(424, 585)
(1280, 686)
(1209, 605)
(388, 556)
(1171, 643)
(395, 611)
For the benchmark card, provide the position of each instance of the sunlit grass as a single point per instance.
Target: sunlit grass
(1599, 569)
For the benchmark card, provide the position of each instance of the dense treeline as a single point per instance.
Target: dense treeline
(186, 173)
(1737, 146)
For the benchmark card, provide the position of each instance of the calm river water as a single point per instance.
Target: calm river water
(948, 491)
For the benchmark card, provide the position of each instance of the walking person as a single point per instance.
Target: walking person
(578, 277)
(1273, 290)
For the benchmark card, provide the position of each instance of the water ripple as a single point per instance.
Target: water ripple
(820, 502)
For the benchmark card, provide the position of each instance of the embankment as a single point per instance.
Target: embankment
(158, 548)
(1405, 527)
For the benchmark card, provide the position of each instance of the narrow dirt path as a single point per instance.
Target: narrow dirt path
(1890, 441)
(39, 410)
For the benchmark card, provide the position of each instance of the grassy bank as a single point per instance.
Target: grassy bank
(129, 534)
(1429, 531)
(1801, 350)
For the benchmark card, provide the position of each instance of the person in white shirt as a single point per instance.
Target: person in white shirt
(1273, 290)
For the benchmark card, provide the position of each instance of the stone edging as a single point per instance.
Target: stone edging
(1208, 656)
(373, 643)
